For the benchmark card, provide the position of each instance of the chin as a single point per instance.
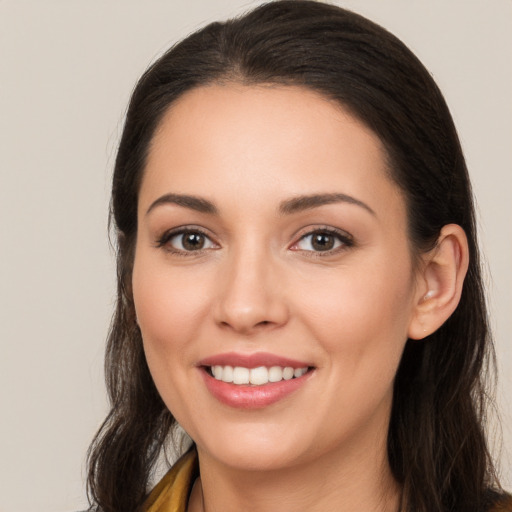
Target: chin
(257, 449)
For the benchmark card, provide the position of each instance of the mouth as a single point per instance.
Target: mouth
(259, 376)
(253, 381)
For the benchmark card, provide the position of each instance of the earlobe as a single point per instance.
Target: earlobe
(440, 282)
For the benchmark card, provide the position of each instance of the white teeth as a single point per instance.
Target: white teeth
(259, 376)
(217, 372)
(227, 374)
(256, 376)
(299, 372)
(275, 374)
(288, 373)
(240, 375)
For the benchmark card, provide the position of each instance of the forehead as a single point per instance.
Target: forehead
(265, 142)
(253, 115)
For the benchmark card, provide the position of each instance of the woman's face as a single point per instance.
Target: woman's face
(271, 236)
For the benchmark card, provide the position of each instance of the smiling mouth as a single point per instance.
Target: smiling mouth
(260, 376)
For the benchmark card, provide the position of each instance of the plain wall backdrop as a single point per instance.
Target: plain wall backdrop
(67, 68)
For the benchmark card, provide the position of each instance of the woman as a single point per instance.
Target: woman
(298, 279)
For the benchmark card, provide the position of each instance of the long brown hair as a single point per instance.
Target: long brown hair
(436, 443)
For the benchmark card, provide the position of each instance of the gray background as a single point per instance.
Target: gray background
(66, 71)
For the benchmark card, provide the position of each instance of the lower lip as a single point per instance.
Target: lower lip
(252, 397)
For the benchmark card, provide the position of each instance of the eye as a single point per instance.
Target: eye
(186, 240)
(323, 240)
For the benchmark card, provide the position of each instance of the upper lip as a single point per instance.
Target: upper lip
(251, 360)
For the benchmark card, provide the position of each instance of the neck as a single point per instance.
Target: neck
(352, 481)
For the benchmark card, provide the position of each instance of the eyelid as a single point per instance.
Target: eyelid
(342, 236)
(345, 238)
(168, 235)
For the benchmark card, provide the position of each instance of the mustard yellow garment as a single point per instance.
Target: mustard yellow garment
(172, 492)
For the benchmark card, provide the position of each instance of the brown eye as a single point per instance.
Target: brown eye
(193, 241)
(323, 241)
(188, 241)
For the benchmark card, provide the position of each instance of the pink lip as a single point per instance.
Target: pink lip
(251, 360)
(247, 396)
(251, 397)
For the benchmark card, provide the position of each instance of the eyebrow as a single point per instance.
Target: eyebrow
(307, 202)
(288, 207)
(192, 202)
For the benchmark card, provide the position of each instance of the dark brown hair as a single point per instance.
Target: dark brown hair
(436, 443)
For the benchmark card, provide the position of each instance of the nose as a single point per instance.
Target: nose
(251, 294)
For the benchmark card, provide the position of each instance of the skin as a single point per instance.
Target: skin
(258, 285)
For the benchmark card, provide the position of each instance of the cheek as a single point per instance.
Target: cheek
(169, 306)
(362, 316)
(170, 309)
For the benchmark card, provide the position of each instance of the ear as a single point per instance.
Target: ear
(440, 281)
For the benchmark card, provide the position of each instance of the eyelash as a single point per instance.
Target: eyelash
(346, 241)
(163, 241)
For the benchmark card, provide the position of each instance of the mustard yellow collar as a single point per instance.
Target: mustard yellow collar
(172, 492)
